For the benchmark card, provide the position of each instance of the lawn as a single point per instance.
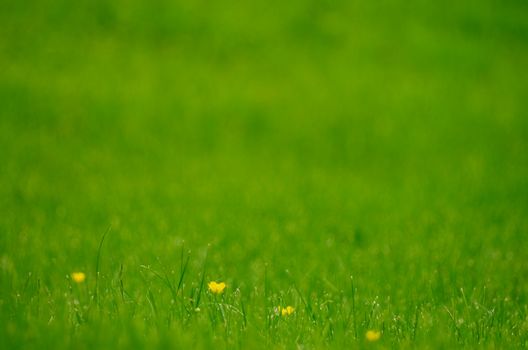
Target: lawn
(363, 162)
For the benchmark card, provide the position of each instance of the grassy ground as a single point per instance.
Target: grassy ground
(362, 161)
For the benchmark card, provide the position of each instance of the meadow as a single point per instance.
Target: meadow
(363, 163)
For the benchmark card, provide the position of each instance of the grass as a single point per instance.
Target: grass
(362, 162)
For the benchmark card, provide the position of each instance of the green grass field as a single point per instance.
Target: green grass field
(364, 162)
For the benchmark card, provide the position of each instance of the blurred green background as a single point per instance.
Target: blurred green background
(385, 140)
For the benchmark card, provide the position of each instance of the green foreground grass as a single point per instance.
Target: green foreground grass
(362, 162)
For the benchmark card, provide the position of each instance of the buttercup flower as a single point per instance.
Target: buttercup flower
(372, 335)
(216, 288)
(286, 311)
(78, 277)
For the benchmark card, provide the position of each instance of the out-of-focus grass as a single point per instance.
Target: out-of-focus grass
(299, 143)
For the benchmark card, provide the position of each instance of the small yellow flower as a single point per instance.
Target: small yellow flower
(216, 288)
(286, 311)
(372, 335)
(78, 277)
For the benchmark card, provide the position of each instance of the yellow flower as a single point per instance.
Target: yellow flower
(78, 277)
(216, 288)
(372, 335)
(286, 311)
